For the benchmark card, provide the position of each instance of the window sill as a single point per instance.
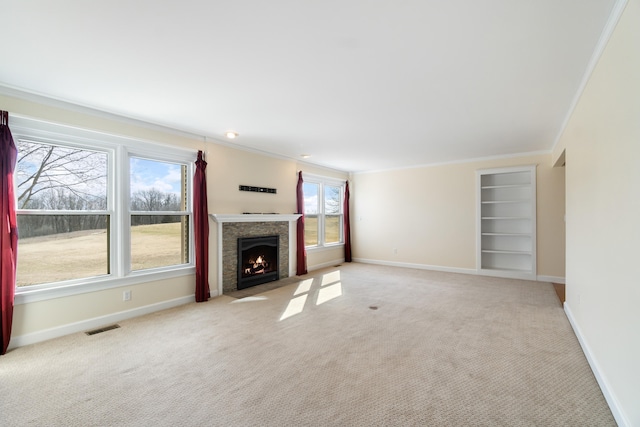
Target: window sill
(26, 295)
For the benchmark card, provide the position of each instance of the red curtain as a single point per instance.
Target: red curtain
(301, 252)
(8, 229)
(346, 225)
(201, 230)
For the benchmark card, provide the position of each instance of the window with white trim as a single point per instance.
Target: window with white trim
(159, 215)
(323, 214)
(62, 210)
(96, 208)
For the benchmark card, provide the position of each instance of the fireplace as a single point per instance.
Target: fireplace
(231, 227)
(257, 260)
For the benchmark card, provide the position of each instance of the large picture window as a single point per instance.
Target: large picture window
(322, 211)
(98, 209)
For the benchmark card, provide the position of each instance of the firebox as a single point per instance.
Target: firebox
(257, 260)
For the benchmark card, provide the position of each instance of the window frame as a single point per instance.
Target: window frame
(323, 181)
(119, 149)
(187, 212)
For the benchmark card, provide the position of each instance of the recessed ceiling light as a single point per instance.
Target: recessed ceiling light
(305, 156)
(231, 134)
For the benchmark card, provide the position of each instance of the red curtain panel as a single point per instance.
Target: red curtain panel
(201, 230)
(346, 225)
(8, 228)
(301, 252)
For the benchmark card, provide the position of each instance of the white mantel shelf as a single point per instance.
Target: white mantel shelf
(222, 218)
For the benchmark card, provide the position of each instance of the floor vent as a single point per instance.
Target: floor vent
(104, 329)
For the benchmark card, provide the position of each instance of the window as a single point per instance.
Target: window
(311, 203)
(322, 211)
(63, 220)
(159, 217)
(98, 209)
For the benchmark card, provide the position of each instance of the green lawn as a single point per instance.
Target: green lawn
(85, 253)
(331, 232)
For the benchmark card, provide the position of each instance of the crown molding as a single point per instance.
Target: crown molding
(607, 32)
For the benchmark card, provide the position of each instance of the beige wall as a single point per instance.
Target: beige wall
(227, 169)
(602, 153)
(428, 215)
(75, 116)
(41, 316)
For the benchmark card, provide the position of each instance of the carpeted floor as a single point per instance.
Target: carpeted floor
(356, 345)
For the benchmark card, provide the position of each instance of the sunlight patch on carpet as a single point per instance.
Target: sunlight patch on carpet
(295, 306)
(303, 287)
(329, 292)
(329, 278)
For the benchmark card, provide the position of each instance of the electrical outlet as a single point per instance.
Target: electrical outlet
(126, 296)
(395, 251)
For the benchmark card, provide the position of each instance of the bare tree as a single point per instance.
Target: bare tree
(154, 200)
(331, 199)
(51, 177)
(44, 168)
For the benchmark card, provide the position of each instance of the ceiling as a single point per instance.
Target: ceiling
(356, 84)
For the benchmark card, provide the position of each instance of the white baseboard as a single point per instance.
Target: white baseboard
(96, 322)
(506, 274)
(609, 396)
(417, 266)
(551, 279)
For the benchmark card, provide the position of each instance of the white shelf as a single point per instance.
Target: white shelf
(222, 218)
(507, 222)
(489, 187)
(505, 217)
(507, 234)
(515, 270)
(493, 202)
(495, 251)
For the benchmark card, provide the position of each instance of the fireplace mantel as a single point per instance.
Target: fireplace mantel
(230, 219)
(222, 218)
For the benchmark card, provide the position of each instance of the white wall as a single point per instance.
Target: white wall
(227, 169)
(601, 144)
(428, 215)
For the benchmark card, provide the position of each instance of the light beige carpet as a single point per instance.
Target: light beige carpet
(357, 345)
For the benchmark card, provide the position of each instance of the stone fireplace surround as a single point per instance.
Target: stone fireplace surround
(232, 226)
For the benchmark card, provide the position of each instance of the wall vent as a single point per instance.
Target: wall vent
(103, 329)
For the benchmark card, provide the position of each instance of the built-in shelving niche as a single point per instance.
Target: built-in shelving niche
(507, 222)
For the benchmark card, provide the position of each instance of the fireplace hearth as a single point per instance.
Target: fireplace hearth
(257, 260)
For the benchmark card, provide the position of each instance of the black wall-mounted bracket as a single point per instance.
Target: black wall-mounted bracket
(258, 189)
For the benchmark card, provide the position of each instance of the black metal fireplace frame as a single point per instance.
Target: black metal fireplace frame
(248, 243)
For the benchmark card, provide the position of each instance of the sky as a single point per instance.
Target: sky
(148, 174)
(56, 168)
(310, 198)
(85, 172)
(331, 194)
